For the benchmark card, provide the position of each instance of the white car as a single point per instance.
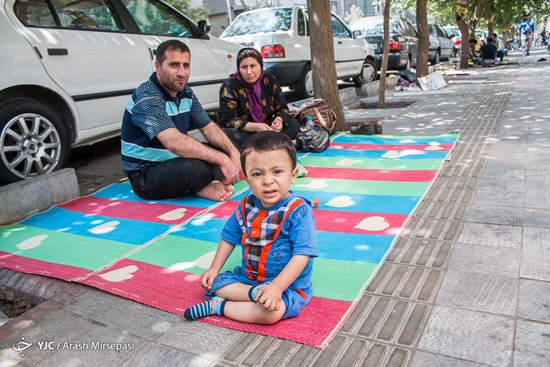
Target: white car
(68, 68)
(282, 36)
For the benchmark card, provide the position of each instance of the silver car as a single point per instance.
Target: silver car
(441, 44)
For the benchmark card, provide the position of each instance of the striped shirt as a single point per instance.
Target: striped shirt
(150, 110)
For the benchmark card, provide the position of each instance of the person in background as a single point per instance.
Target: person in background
(252, 100)
(526, 29)
(501, 49)
(488, 53)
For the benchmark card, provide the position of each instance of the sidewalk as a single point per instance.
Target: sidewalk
(468, 283)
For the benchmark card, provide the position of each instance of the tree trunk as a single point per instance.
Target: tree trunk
(489, 17)
(465, 49)
(385, 56)
(423, 38)
(505, 32)
(322, 59)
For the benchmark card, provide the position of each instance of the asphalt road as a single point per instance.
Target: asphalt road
(98, 165)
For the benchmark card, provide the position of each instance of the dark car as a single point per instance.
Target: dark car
(403, 40)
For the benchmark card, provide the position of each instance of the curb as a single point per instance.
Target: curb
(48, 294)
(24, 198)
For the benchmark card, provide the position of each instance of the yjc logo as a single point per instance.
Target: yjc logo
(20, 345)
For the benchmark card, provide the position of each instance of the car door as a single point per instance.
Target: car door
(446, 43)
(347, 53)
(212, 60)
(413, 41)
(87, 50)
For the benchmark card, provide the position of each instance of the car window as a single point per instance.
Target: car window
(34, 13)
(95, 15)
(301, 23)
(338, 29)
(159, 19)
(441, 32)
(260, 21)
(373, 26)
(433, 32)
(411, 29)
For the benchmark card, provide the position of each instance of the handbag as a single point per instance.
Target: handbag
(321, 115)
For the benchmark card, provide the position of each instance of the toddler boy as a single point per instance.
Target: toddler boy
(276, 230)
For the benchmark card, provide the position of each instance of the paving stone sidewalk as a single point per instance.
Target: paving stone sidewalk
(468, 283)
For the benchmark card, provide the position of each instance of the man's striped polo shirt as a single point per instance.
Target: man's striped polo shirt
(150, 110)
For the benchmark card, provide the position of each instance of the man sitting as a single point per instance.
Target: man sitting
(501, 50)
(158, 157)
(488, 53)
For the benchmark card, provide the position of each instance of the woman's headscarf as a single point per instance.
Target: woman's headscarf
(253, 90)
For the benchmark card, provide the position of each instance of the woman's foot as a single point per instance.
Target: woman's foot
(216, 191)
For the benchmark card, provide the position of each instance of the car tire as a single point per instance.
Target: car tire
(306, 83)
(368, 73)
(436, 58)
(33, 140)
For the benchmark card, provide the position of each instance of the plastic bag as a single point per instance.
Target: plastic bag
(313, 140)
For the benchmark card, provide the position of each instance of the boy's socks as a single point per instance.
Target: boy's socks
(214, 306)
(254, 290)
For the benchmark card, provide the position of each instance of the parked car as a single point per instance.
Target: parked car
(68, 68)
(441, 44)
(282, 36)
(454, 33)
(403, 40)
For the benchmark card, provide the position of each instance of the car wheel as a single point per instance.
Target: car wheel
(368, 74)
(306, 85)
(436, 58)
(33, 140)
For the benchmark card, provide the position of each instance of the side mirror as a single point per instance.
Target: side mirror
(204, 27)
(356, 33)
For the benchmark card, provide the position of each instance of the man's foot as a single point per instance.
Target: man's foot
(216, 191)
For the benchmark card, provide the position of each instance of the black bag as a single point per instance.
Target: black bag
(408, 75)
(314, 140)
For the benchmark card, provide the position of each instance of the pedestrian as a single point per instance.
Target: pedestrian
(526, 29)
(159, 158)
(276, 230)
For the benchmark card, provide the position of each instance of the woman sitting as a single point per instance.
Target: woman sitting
(252, 101)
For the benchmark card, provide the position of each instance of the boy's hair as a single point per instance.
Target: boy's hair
(473, 40)
(266, 141)
(170, 45)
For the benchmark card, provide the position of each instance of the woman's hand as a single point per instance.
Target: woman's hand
(277, 124)
(254, 127)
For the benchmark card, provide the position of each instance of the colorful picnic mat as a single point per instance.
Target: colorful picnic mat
(154, 252)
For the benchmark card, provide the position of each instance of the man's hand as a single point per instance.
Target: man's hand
(270, 296)
(277, 124)
(230, 171)
(207, 279)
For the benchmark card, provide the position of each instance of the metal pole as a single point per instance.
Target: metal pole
(229, 11)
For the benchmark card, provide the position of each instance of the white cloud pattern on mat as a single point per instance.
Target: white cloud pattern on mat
(173, 214)
(375, 223)
(316, 184)
(105, 227)
(391, 154)
(346, 162)
(32, 242)
(340, 202)
(120, 274)
(407, 141)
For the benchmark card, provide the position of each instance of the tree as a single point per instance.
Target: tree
(322, 59)
(385, 56)
(195, 14)
(355, 12)
(423, 38)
